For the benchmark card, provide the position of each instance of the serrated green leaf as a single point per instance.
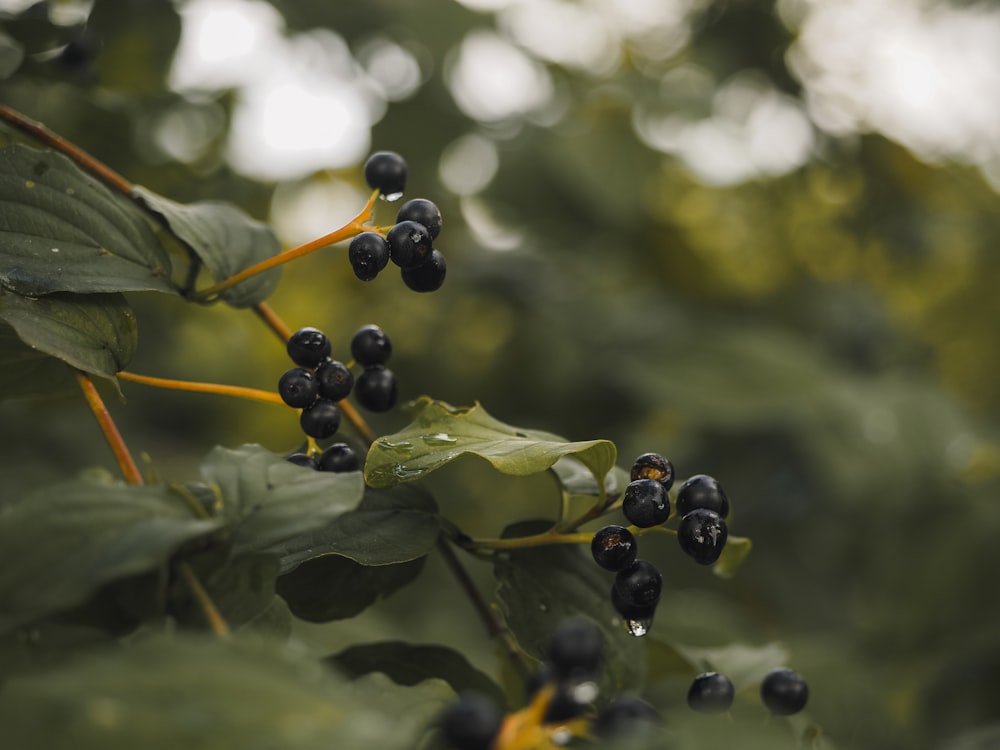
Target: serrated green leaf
(388, 526)
(266, 499)
(59, 545)
(733, 555)
(412, 663)
(96, 333)
(225, 239)
(539, 587)
(440, 433)
(199, 695)
(61, 230)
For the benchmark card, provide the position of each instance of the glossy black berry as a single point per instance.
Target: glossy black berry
(538, 679)
(702, 535)
(298, 388)
(376, 388)
(614, 548)
(784, 691)
(302, 459)
(624, 715)
(653, 466)
(368, 254)
(423, 212)
(631, 612)
(370, 346)
(471, 723)
(339, 457)
(563, 706)
(334, 380)
(409, 244)
(702, 491)
(386, 171)
(711, 693)
(308, 347)
(429, 275)
(321, 420)
(575, 649)
(639, 584)
(646, 503)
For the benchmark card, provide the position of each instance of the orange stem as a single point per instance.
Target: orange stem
(215, 620)
(272, 320)
(128, 466)
(252, 394)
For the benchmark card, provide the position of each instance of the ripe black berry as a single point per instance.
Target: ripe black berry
(423, 212)
(334, 380)
(631, 612)
(386, 171)
(575, 649)
(308, 347)
(784, 691)
(368, 254)
(370, 346)
(646, 503)
(653, 466)
(614, 548)
(563, 706)
(639, 584)
(702, 535)
(702, 491)
(321, 420)
(472, 723)
(339, 457)
(711, 693)
(625, 715)
(429, 275)
(302, 459)
(376, 388)
(298, 388)
(409, 244)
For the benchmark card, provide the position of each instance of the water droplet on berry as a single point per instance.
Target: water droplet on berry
(585, 692)
(638, 628)
(561, 737)
(391, 197)
(439, 438)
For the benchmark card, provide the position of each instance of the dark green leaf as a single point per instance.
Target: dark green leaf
(335, 588)
(241, 589)
(11, 55)
(440, 433)
(389, 526)
(59, 545)
(95, 333)
(539, 587)
(266, 500)
(225, 239)
(63, 231)
(733, 554)
(28, 372)
(274, 621)
(411, 663)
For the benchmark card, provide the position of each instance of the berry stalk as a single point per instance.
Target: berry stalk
(250, 394)
(121, 452)
(215, 620)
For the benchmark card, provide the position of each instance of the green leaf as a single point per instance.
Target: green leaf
(539, 587)
(201, 695)
(61, 230)
(11, 55)
(225, 239)
(733, 554)
(241, 589)
(96, 333)
(336, 588)
(266, 500)
(440, 433)
(411, 664)
(28, 372)
(389, 526)
(59, 545)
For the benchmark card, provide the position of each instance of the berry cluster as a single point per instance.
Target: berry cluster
(318, 382)
(702, 534)
(783, 691)
(410, 242)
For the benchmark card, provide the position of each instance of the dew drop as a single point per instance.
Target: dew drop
(439, 438)
(543, 607)
(391, 197)
(404, 446)
(638, 628)
(401, 472)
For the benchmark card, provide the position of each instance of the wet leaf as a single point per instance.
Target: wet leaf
(733, 554)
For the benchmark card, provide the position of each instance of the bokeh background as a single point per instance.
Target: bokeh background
(759, 237)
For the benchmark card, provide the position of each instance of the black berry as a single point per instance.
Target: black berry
(308, 347)
(614, 548)
(639, 584)
(624, 715)
(631, 612)
(429, 275)
(386, 171)
(321, 420)
(298, 388)
(702, 535)
(711, 693)
(334, 380)
(376, 388)
(784, 691)
(653, 466)
(423, 212)
(409, 244)
(339, 457)
(563, 706)
(702, 491)
(575, 649)
(370, 346)
(302, 459)
(368, 254)
(472, 723)
(646, 503)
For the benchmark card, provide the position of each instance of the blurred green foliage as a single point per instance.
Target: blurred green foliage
(822, 342)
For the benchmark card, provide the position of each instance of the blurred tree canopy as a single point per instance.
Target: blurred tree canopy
(822, 337)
